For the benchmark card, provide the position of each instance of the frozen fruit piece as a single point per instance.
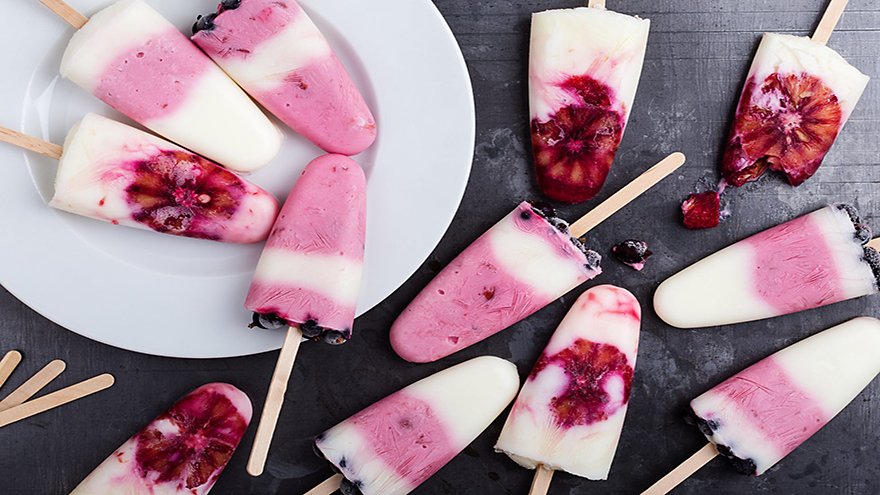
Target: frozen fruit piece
(796, 99)
(570, 412)
(112, 172)
(702, 210)
(632, 252)
(183, 451)
(584, 68)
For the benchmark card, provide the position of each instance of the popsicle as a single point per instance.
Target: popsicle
(763, 413)
(308, 277)
(393, 446)
(811, 261)
(137, 62)
(118, 174)
(798, 95)
(275, 52)
(526, 261)
(183, 451)
(584, 69)
(569, 414)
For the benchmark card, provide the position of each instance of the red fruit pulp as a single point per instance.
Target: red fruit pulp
(588, 366)
(787, 123)
(575, 147)
(702, 211)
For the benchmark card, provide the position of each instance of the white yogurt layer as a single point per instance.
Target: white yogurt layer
(336, 277)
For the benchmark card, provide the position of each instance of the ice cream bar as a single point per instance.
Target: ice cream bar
(761, 414)
(797, 97)
(116, 173)
(183, 451)
(396, 444)
(584, 69)
(276, 53)
(570, 412)
(137, 62)
(309, 274)
(811, 261)
(524, 262)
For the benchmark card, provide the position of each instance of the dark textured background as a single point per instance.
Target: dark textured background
(698, 55)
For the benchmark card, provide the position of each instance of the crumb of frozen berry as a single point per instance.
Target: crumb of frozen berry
(632, 253)
(702, 211)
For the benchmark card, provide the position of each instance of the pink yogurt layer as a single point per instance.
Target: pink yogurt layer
(324, 216)
(475, 296)
(318, 100)
(795, 268)
(407, 435)
(151, 80)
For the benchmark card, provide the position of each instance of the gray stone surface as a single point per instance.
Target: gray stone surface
(697, 58)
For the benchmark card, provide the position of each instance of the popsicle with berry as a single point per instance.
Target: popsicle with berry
(393, 446)
(137, 62)
(183, 451)
(760, 415)
(309, 275)
(798, 95)
(818, 259)
(273, 50)
(569, 414)
(118, 174)
(526, 261)
(584, 69)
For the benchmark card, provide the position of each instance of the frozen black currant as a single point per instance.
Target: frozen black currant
(632, 252)
(269, 321)
(310, 329)
(350, 487)
(229, 5)
(334, 337)
(204, 23)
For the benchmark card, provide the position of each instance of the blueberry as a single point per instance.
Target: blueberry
(229, 5)
(525, 215)
(631, 251)
(350, 487)
(204, 23)
(310, 329)
(543, 209)
(269, 321)
(334, 337)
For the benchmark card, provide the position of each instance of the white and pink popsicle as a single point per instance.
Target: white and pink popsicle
(137, 62)
(520, 265)
(570, 412)
(277, 54)
(112, 172)
(811, 261)
(183, 451)
(393, 446)
(761, 414)
(309, 274)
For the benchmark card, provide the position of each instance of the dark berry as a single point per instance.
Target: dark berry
(204, 23)
(350, 487)
(310, 329)
(543, 209)
(872, 258)
(632, 252)
(702, 211)
(744, 466)
(334, 337)
(229, 5)
(269, 321)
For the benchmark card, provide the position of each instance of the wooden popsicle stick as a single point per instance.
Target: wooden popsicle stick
(34, 384)
(596, 4)
(541, 481)
(66, 12)
(875, 243)
(329, 486)
(683, 471)
(8, 364)
(55, 399)
(46, 148)
(829, 21)
(274, 401)
(627, 194)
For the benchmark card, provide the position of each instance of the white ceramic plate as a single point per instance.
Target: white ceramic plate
(179, 297)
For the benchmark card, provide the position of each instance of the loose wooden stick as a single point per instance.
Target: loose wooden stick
(274, 401)
(541, 481)
(829, 21)
(55, 399)
(66, 12)
(875, 244)
(327, 487)
(8, 364)
(46, 148)
(36, 383)
(627, 194)
(683, 472)
(597, 4)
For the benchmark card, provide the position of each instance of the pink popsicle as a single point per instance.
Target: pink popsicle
(276, 53)
(310, 271)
